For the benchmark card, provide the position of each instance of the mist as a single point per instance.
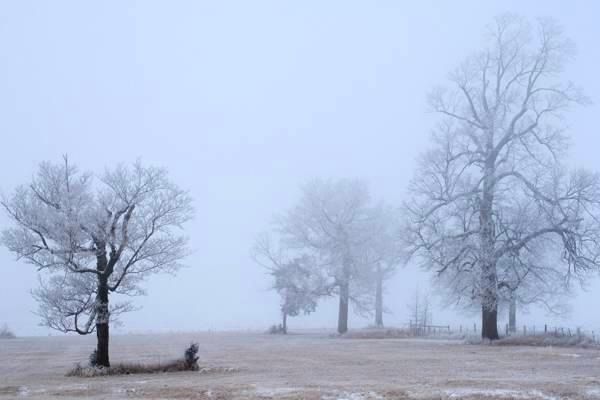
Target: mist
(243, 103)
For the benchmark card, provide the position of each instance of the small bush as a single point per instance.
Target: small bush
(94, 358)
(6, 333)
(190, 357)
(276, 330)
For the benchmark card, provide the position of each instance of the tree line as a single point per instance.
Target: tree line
(492, 211)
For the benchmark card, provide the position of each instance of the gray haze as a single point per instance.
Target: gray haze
(243, 102)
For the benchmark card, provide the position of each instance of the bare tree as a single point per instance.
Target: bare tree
(384, 251)
(95, 237)
(421, 313)
(493, 185)
(533, 279)
(333, 222)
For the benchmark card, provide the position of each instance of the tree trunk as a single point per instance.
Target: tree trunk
(489, 278)
(489, 323)
(379, 299)
(512, 314)
(343, 311)
(102, 319)
(284, 323)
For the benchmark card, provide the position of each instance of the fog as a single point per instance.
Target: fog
(243, 102)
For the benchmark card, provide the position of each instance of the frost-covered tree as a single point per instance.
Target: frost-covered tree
(95, 236)
(333, 223)
(384, 252)
(532, 279)
(493, 184)
(297, 279)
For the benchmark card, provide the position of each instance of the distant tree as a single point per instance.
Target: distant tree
(95, 236)
(533, 279)
(333, 224)
(420, 311)
(384, 252)
(493, 185)
(298, 281)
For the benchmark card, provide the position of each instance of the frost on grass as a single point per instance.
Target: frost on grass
(467, 393)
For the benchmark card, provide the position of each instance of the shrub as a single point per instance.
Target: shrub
(94, 358)
(276, 330)
(190, 357)
(6, 333)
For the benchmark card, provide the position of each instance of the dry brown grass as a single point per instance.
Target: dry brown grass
(128, 369)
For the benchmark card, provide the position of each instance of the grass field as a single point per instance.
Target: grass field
(302, 366)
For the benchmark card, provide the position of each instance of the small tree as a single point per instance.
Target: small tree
(94, 237)
(297, 279)
(298, 287)
(421, 313)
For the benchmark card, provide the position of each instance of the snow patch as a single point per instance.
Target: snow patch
(595, 392)
(570, 355)
(270, 392)
(353, 396)
(499, 393)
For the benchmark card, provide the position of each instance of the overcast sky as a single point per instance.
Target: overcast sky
(243, 102)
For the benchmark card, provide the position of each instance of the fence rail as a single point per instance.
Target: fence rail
(523, 330)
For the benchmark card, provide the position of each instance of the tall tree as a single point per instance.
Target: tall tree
(384, 252)
(333, 222)
(94, 237)
(493, 185)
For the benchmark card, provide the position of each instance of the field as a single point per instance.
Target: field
(303, 366)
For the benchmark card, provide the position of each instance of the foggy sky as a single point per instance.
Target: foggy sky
(243, 102)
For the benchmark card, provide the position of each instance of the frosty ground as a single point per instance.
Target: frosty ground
(303, 366)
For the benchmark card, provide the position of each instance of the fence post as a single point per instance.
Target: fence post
(460, 329)
(475, 328)
(524, 330)
(545, 328)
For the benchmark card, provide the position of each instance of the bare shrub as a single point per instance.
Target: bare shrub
(191, 358)
(6, 333)
(276, 330)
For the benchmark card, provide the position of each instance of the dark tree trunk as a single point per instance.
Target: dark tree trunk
(489, 278)
(284, 323)
(489, 323)
(343, 311)
(379, 299)
(512, 314)
(102, 319)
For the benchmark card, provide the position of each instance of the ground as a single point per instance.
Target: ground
(303, 366)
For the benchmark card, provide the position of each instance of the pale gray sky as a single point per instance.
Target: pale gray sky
(242, 102)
